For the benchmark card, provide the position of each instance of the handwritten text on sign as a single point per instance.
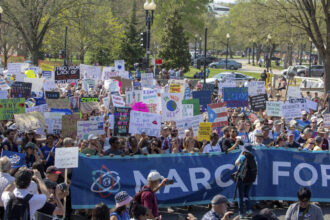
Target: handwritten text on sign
(66, 157)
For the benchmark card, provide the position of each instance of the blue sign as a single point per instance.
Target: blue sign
(236, 96)
(65, 110)
(47, 74)
(203, 96)
(187, 93)
(17, 159)
(197, 178)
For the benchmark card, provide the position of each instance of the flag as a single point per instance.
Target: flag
(17, 159)
(217, 113)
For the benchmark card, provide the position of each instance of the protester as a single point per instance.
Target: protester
(213, 146)
(219, 209)
(139, 213)
(100, 212)
(304, 208)
(120, 212)
(5, 179)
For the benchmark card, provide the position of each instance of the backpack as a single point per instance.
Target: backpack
(250, 170)
(137, 199)
(18, 208)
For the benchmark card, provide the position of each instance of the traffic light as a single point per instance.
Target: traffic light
(144, 40)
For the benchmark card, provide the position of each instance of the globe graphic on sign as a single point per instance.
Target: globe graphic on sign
(171, 105)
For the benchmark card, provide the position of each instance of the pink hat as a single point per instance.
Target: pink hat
(122, 198)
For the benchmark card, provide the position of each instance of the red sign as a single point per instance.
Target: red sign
(158, 61)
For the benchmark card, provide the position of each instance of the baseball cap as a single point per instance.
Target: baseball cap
(265, 128)
(92, 137)
(277, 122)
(258, 134)
(53, 169)
(11, 126)
(218, 199)
(29, 145)
(154, 175)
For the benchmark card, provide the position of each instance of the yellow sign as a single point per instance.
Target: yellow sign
(175, 88)
(204, 131)
(45, 67)
(30, 74)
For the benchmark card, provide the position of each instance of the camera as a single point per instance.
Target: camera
(169, 182)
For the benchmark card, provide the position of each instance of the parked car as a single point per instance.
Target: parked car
(293, 69)
(316, 71)
(236, 76)
(200, 60)
(231, 64)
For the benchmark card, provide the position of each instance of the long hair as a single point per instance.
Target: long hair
(100, 212)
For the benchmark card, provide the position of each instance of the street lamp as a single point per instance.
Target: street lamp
(253, 42)
(200, 46)
(149, 8)
(195, 46)
(228, 37)
(310, 57)
(269, 39)
(249, 51)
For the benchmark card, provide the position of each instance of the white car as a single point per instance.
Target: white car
(238, 77)
(293, 69)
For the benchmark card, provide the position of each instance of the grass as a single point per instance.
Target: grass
(214, 72)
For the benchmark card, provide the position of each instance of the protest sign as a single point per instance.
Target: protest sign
(175, 88)
(236, 97)
(74, 103)
(17, 160)
(106, 102)
(9, 107)
(66, 157)
(15, 68)
(120, 65)
(111, 122)
(52, 95)
(54, 122)
(37, 84)
(274, 108)
(293, 92)
(217, 114)
(150, 96)
(204, 131)
(67, 74)
(171, 106)
(311, 105)
(62, 103)
(301, 103)
(256, 88)
(88, 107)
(49, 85)
(124, 74)
(46, 67)
(149, 123)
(226, 84)
(187, 123)
(69, 125)
(204, 97)
(3, 94)
(124, 83)
(38, 108)
(21, 90)
(326, 120)
(195, 102)
(3, 85)
(208, 87)
(90, 72)
(89, 99)
(30, 121)
(291, 111)
(187, 110)
(114, 87)
(140, 107)
(117, 101)
(85, 128)
(258, 102)
(88, 84)
(122, 118)
(187, 93)
(98, 180)
(47, 74)
(133, 96)
(147, 79)
(109, 72)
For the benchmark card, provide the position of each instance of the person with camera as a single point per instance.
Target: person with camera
(219, 210)
(18, 202)
(148, 193)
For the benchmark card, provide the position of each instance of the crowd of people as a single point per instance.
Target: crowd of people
(41, 184)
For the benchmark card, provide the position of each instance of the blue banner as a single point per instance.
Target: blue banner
(197, 178)
(236, 96)
(17, 159)
(204, 97)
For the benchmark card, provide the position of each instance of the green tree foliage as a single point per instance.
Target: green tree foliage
(174, 44)
(131, 49)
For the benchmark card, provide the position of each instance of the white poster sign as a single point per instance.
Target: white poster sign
(187, 123)
(66, 157)
(150, 123)
(171, 106)
(109, 72)
(291, 111)
(117, 101)
(256, 88)
(274, 108)
(187, 110)
(90, 72)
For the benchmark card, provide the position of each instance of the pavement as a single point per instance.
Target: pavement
(199, 211)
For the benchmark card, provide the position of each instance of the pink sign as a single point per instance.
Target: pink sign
(140, 107)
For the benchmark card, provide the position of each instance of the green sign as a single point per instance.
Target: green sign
(195, 102)
(9, 107)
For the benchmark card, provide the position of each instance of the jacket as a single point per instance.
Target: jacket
(314, 212)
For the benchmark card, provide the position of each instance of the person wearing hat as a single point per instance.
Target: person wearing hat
(31, 154)
(258, 139)
(10, 142)
(267, 141)
(52, 174)
(291, 143)
(304, 117)
(292, 127)
(276, 131)
(322, 132)
(148, 193)
(219, 209)
(120, 212)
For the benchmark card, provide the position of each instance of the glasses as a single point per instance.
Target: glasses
(234, 131)
(312, 143)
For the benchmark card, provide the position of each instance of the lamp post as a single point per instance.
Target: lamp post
(200, 45)
(310, 57)
(228, 37)
(249, 52)
(205, 48)
(253, 42)
(149, 8)
(195, 46)
(269, 39)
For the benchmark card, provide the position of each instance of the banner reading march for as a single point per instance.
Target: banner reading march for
(197, 178)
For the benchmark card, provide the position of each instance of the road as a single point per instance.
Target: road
(198, 211)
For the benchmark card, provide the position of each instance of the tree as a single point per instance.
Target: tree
(33, 18)
(313, 18)
(131, 49)
(174, 44)
(8, 42)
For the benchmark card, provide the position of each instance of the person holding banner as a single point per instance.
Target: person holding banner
(213, 146)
